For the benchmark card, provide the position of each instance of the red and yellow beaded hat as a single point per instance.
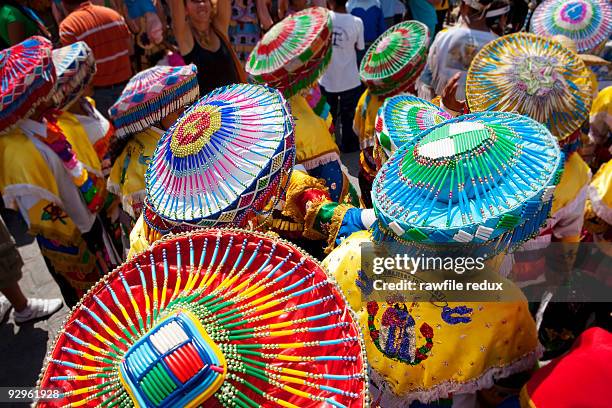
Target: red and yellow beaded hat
(217, 318)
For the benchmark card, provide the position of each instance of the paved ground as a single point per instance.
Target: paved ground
(23, 348)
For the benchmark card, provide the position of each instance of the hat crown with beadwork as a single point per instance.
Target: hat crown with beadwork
(483, 179)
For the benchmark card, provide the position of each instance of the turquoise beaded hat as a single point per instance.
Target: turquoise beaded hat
(484, 180)
(75, 67)
(223, 161)
(401, 118)
(216, 318)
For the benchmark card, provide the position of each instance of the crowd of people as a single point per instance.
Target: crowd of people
(139, 136)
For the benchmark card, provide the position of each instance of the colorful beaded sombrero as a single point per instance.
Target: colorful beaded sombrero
(395, 60)
(294, 53)
(587, 22)
(153, 94)
(75, 67)
(28, 76)
(533, 76)
(223, 160)
(485, 179)
(216, 318)
(403, 117)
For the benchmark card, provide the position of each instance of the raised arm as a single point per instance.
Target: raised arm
(263, 15)
(180, 26)
(223, 16)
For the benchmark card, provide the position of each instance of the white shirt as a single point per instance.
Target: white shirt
(96, 126)
(453, 51)
(72, 200)
(342, 73)
(391, 8)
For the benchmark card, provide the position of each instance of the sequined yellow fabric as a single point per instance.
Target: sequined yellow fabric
(139, 238)
(312, 138)
(24, 173)
(461, 356)
(77, 136)
(576, 175)
(365, 118)
(601, 189)
(126, 178)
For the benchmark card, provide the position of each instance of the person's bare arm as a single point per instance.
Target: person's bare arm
(16, 32)
(180, 26)
(263, 15)
(283, 8)
(223, 16)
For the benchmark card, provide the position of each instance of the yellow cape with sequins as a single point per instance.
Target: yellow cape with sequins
(600, 193)
(126, 179)
(365, 118)
(500, 339)
(28, 186)
(314, 145)
(77, 136)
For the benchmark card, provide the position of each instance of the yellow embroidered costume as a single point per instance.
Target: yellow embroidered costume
(154, 95)
(50, 171)
(126, 179)
(598, 211)
(454, 347)
(33, 191)
(425, 344)
(316, 149)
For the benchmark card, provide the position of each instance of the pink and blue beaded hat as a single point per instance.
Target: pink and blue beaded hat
(151, 95)
(217, 318)
(402, 118)
(587, 22)
(223, 160)
(28, 77)
(482, 180)
(75, 67)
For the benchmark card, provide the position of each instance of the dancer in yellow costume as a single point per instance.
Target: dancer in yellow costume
(293, 66)
(389, 67)
(431, 350)
(601, 127)
(540, 78)
(598, 212)
(149, 104)
(75, 66)
(290, 210)
(60, 190)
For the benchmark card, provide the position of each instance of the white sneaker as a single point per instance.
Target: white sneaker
(37, 309)
(5, 306)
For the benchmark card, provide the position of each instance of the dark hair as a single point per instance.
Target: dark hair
(73, 2)
(340, 3)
